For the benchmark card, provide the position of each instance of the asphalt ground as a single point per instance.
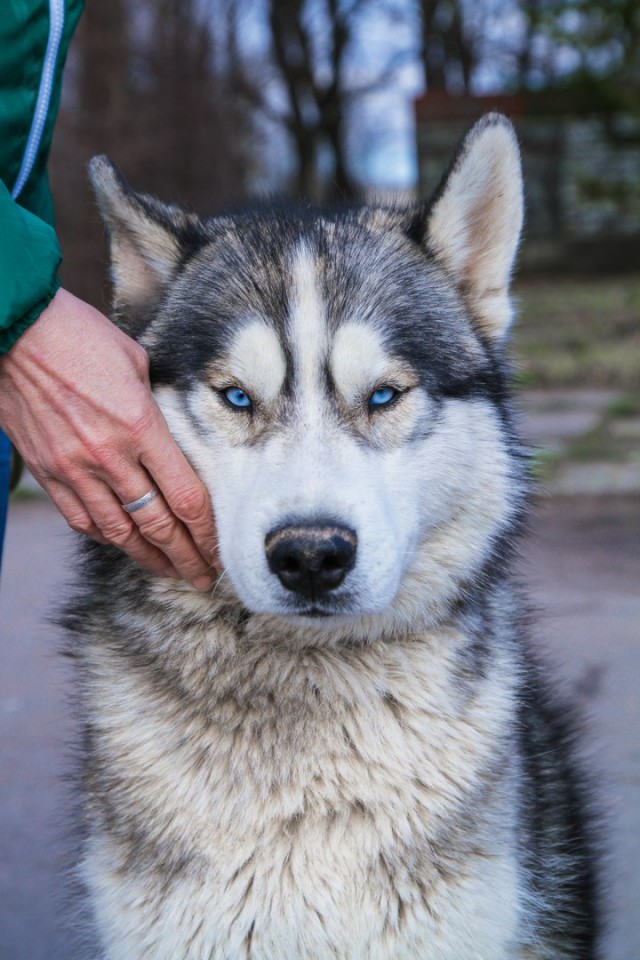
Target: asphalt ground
(582, 562)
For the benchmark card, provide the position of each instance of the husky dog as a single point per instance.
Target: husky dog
(346, 750)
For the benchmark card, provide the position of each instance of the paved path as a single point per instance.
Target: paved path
(555, 419)
(583, 563)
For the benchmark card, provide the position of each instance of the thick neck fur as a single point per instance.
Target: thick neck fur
(209, 644)
(217, 665)
(249, 750)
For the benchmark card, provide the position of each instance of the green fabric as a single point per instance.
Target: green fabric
(29, 261)
(29, 251)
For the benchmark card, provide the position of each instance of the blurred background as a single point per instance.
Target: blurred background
(211, 103)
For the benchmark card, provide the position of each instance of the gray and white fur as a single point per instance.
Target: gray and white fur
(346, 750)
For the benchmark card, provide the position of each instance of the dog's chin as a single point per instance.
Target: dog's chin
(324, 614)
(297, 611)
(331, 609)
(313, 612)
(316, 613)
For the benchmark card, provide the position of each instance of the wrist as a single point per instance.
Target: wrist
(14, 334)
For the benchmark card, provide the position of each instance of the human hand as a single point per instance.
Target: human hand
(76, 402)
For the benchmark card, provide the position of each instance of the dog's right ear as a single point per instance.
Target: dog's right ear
(473, 225)
(149, 241)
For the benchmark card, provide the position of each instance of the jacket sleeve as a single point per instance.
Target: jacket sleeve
(29, 260)
(34, 38)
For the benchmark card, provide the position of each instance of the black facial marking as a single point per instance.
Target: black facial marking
(366, 274)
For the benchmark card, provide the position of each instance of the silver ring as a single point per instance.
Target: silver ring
(141, 502)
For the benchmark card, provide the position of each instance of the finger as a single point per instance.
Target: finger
(72, 509)
(154, 522)
(119, 482)
(182, 489)
(160, 527)
(114, 526)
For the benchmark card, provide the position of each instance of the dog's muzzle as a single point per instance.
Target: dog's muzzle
(311, 560)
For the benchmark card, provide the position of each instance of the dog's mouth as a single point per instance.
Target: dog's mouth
(314, 613)
(317, 611)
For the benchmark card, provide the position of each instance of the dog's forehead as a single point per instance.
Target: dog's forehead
(311, 344)
(357, 262)
(307, 278)
(307, 330)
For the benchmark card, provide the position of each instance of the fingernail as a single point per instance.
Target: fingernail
(204, 582)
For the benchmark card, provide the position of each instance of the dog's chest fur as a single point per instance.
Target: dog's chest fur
(304, 803)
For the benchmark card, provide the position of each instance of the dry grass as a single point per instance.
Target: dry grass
(616, 438)
(578, 332)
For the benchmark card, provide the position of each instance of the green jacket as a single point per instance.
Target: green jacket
(34, 38)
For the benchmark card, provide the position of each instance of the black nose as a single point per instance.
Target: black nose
(313, 559)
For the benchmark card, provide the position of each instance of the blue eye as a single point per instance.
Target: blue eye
(382, 396)
(236, 397)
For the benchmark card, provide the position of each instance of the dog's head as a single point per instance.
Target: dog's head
(336, 381)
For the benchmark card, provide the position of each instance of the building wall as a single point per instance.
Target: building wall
(581, 168)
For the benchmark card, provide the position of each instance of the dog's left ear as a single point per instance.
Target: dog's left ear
(149, 241)
(474, 223)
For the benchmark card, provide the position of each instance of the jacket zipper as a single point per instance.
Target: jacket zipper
(56, 25)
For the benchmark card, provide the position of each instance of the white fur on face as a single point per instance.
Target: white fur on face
(310, 468)
(424, 512)
(306, 328)
(256, 361)
(424, 489)
(358, 360)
